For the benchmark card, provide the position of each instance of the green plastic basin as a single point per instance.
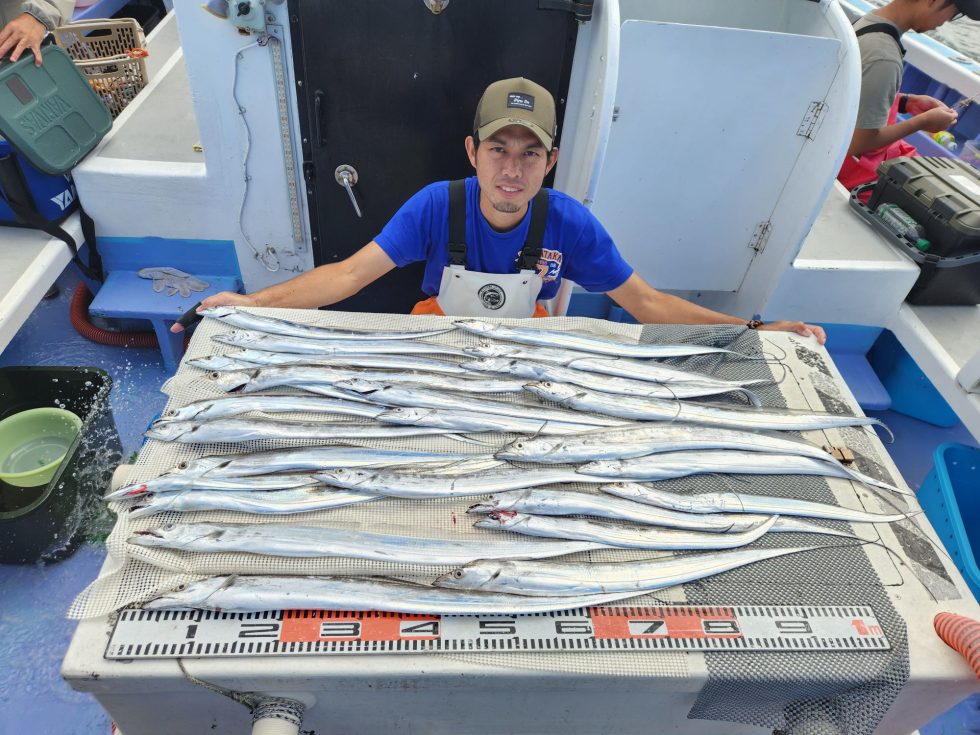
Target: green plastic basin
(33, 444)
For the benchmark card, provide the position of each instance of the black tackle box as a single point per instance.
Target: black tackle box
(943, 196)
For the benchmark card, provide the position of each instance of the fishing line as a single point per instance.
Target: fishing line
(268, 259)
(470, 440)
(774, 346)
(787, 370)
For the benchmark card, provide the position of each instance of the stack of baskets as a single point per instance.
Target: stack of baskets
(112, 56)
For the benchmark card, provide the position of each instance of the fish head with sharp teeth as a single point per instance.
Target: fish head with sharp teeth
(528, 447)
(217, 312)
(168, 431)
(488, 350)
(501, 519)
(238, 337)
(194, 594)
(231, 382)
(473, 576)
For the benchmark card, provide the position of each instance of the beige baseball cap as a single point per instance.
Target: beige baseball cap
(516, 101)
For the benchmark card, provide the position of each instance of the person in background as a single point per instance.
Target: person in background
(23, 25)
(498, 243)
(878, 134)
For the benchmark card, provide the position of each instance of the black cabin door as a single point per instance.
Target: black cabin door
(389, 89)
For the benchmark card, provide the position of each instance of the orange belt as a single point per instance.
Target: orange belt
(431, 306)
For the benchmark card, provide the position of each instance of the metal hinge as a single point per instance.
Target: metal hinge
(811, 120)
(761, 236)
(581, 9)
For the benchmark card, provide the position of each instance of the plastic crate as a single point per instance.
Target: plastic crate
(111, 53)
(950, 497)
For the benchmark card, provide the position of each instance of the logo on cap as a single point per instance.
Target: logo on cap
(492, 296)
(522, 101)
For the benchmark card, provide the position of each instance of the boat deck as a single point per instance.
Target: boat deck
(35, 632)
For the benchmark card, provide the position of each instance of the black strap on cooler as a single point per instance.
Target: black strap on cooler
(530, 254)
(887, 28)
(26, 212)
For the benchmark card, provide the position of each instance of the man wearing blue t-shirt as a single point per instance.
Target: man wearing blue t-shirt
(498, 243)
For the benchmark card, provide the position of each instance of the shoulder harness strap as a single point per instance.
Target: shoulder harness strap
(531, 252)
(457, 222)
(883, 28)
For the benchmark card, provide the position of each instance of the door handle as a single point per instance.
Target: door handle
(346, 176)
(318, 116)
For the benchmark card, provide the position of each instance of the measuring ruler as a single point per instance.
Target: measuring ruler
(178, 633)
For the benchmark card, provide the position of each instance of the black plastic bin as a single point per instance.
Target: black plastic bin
(45, 523)
(942, 195)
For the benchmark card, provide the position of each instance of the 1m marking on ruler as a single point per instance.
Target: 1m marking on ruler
(178, 633)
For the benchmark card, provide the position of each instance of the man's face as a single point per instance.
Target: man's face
(935, 15)
(510, 167)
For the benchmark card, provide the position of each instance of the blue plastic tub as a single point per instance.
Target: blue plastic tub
(950, 497)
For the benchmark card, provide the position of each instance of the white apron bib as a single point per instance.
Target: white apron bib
(475, 294)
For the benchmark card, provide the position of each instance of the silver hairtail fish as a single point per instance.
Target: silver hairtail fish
(234, 430)
(389, 394)
(263, 502)
(657, 409)
(607, 383)
(235, 317)
(668, 465)
(622, 535)
(318, 542)
(308, 459)
(260, 593)
(732, 502)
(585, 343)
(565, 578)
(224, 407)
(642, 439)
(560, 501)
(278, 343)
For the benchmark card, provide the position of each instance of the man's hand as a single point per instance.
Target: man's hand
(23, 32)
(225, 298)
(936, 119)
(806, 330)
(916, 104)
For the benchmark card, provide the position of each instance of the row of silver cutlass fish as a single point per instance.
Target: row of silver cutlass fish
(472, 589)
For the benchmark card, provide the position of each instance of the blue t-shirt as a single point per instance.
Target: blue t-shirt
(575, 245)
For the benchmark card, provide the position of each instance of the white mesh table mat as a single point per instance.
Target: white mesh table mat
(818, 577)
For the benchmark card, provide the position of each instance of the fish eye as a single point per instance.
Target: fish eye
(170, 412)
(182, 465)
(458, 573)
(214, 375)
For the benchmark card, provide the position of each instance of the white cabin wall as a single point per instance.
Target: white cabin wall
(778, 16)
(796, 206)
(589, 113)
(134, 198)
(814, 175)
(210, 47)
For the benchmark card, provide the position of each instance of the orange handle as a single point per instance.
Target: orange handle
(962, 635)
